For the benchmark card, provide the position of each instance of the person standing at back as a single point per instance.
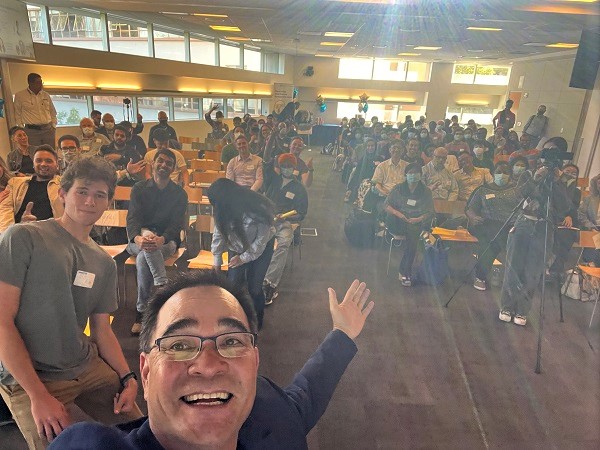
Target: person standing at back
(536, 126)
(35, 111)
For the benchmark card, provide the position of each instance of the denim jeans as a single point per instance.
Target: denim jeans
(151, 269)
(284, 236)
(484, 233)
(524, 263)
(254, 274)
(411, 232)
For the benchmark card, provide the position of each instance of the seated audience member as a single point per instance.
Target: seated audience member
(155, 219)
(470, 177)
(386, 176)
(229, 151)
(260, 415)
(163, 124)
(133, 139)
(481, 135)
(304, 170)
(20, 158)
(519, 169)
(219, 128)
(119, 152)
(228, 138)
(383, 146)
(487, 210)
(180, 174)
(498, 141)
(364, 170)
(48, 363)
(564, 235)
(96, 117)
(589, 218)
(245, 169)
(438, 179)
(34, 197)
(424, 139)
(532, 154)
(413, 152)
(471, 125)
(287, 194)
(410, 210)
(481, 158)
(263, 137)
(68, 149)
(253, 140)
(512, 143)
(108, 126)
(458, 144)
(90, 141)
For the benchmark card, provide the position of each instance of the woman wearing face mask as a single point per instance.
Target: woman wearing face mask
(520, 172)
(487, 209)
(424, 139)
(363, 171)
(481, 158)
(91, 142)
(565, 236)
(409, 208)
(19, 159)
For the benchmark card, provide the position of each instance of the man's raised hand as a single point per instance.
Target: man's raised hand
(350, 315)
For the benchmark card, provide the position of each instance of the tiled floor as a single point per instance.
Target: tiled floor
(425, 376)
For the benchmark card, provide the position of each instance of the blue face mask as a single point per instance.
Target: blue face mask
(413, 177)
(287, 172)
(501, 179)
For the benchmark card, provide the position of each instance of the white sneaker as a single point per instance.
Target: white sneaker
(505, 316)
(520, 320)
(406, 282)
(479, 285)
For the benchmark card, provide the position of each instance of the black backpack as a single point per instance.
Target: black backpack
(360, 228)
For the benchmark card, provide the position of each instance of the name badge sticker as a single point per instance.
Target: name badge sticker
(296, 173)
(411, 202)
(250, 167)
(489, 196)
(290, 195)
(85, 148)
(84, 279)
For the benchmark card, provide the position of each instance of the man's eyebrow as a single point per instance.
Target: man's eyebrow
(230, 322)
(179, 325)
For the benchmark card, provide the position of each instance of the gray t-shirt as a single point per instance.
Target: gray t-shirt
(50, 265)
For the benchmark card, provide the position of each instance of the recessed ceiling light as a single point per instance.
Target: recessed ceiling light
(562, 45)
(338, 34)
(223, 16)
(409, 54)
(259, 40)
(483, 29)
(475, 51)
(224, 28)
(422, 47)
(332, 44)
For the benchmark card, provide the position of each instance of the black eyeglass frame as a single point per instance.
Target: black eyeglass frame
(203, 339)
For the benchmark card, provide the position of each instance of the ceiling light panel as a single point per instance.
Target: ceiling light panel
(422, 47)
(225, 28)
(338, 34)
(483, 29)
(332, 44)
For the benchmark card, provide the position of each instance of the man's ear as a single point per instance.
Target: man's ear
(61, 194)
(144, 371)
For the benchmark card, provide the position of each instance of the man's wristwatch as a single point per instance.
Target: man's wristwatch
(125, 378)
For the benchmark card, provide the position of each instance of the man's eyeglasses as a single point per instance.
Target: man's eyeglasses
(186, 347)
(68, 149)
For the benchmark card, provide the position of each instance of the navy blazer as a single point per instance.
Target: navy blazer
(280, 418)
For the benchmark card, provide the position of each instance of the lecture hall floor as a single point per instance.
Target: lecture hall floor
(425, 376)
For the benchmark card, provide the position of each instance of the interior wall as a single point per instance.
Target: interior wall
(588, 156)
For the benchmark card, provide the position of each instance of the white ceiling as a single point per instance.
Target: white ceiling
(380, 30)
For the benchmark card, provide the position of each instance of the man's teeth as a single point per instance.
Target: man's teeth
(223, 396)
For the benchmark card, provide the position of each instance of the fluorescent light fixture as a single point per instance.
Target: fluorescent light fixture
(560, 9)
(472, 102)
(338, 34)
(562, 45)
(223, 16)
(233, 38)
(192, 90)
(260, 40)
(66, 84)
(375, 99)
(335, 96)
(399, 100)
(423, 47)
(332, 44)
(324, 55)
(243, 92)
(224, 28)
(483, 29)
(219, 91)
(266, 94)
(119, 87)
(409, 54)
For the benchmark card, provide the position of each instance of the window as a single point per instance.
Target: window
(254, 106)
(235, 107)
(202, 51)
(70, 109)
(486, 75)
(127, 37)
(418, 71)
(274, 62)
(186, 108)
(36, 24)
(208, 102)
(252, 59)
(230, 56)
(482, 115)
(75, 30)
(169, 46)
(112, 105)
(150, 106)
(356, 69)
(389, 69)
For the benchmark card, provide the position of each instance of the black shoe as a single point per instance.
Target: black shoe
(137, 325)
(270, 293)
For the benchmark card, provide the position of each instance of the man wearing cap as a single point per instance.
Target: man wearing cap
(288, 194)
(35, 111)
(245, 169)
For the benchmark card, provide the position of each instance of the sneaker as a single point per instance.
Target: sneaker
(269, 293)
(505, 316)
(4, 422)
(520, 320)
(380, 233)
(404, 280)
(479, 285)
(137, 325)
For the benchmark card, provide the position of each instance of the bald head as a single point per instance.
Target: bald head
(440, 155)
(441, 152)
(162, 115)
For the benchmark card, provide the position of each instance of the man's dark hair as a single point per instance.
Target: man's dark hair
(168, 153)
(571, 165)
(219, 114)
(123, 129)
(237, 119)
(161, 135)
(90, 168)
(95, 113)
(14, 129)
(32, 77)
(45, 148)
(510, 102)
(412, 166)
(68, 137)
(479, 143)
(502, 164)
(197, 278)
(517, 159)
(558, 142)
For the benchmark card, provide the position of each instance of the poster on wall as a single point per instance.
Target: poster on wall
(15, 34)
(282, 95)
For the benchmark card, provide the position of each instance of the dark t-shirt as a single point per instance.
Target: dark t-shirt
(26, 165)
(37, 192)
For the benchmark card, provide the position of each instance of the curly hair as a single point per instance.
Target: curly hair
(90, 168)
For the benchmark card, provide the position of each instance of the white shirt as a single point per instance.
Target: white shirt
(389, 174)
(32, 109)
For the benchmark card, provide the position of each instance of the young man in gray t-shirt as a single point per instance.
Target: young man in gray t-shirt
(53, 278)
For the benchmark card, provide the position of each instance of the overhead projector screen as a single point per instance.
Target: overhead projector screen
(15, 34)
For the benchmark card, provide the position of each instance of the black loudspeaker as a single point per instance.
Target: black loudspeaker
(585, 69)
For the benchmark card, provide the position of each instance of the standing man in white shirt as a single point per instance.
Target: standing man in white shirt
(35, 111)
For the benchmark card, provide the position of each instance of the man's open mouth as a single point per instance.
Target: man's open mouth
(209, 399)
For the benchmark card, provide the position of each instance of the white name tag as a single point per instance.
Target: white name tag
(411, 202)
(85, 148)
(488, 196)
(290, 195)
(98, 140)
(250, 167)
(296, 173)
(84, 279)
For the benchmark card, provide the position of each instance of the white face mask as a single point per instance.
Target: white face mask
(87, 131)
(109, 125)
